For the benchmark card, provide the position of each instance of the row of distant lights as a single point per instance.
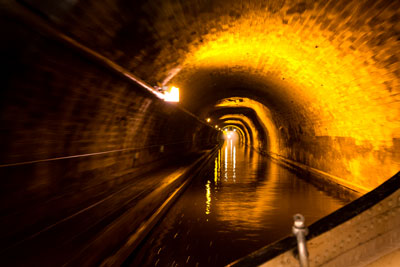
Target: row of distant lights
(217, 127)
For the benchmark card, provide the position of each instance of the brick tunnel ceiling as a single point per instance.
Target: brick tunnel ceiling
(330, 67)
(333, 62)
(312, 84)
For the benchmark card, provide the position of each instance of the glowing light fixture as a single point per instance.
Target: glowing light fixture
(172, 95)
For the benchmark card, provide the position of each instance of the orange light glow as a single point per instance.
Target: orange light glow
(243, 137)
(337, 80)
(230, 135)
(208, 197)
(262, 112)
(172, 95)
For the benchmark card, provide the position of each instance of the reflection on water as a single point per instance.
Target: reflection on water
(208, 197)
(244, 203)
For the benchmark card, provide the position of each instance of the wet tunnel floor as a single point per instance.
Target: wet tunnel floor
(243, 202)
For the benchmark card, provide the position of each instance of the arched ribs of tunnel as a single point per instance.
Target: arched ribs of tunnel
(322, 76)
(247, 112)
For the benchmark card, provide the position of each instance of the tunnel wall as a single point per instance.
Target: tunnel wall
(73, 133)
(358, 165)
(246, 135)
(258, 136)
(329, 70)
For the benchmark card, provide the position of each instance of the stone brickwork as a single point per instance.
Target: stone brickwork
(73, 133)
(327, 70)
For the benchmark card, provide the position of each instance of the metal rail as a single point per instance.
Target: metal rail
(300, 231)
(28, 14)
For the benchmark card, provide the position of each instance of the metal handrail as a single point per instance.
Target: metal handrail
(300, 231)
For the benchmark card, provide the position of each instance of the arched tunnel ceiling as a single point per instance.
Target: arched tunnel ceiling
(238, 126)
(334, 62)
(219, 112)
(242, 125)
(228, 113)
(324, 69)
(313, 84)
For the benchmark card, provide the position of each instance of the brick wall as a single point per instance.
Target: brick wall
(73, 132)
(328, 71)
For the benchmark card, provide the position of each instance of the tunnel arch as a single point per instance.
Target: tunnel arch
(328, 69)
(259, 141)
(260, 115)
(245, 129)
(321, 78)
(220, 112)
(242, 137)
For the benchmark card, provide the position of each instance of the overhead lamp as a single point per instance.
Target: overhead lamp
(172, 95)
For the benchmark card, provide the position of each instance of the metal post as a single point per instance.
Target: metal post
(300, 231)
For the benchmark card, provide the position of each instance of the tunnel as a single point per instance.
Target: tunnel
(91, 151)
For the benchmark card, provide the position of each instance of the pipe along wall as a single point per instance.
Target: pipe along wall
(73, 134)
(313, 84)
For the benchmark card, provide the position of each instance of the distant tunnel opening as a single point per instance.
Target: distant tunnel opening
(330, 86)
(312, 84)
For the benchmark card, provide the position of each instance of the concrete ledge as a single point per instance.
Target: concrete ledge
(322, 176)
(136, 222)
(330, 183)
(101, 228)
(358, 233)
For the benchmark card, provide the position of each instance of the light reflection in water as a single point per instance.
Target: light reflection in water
(234, 164)
(231, 154)
(226, 163)
(208, 197)
(216, 171)
(248, 202)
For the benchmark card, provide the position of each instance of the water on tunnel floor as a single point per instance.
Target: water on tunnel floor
(244, 202)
